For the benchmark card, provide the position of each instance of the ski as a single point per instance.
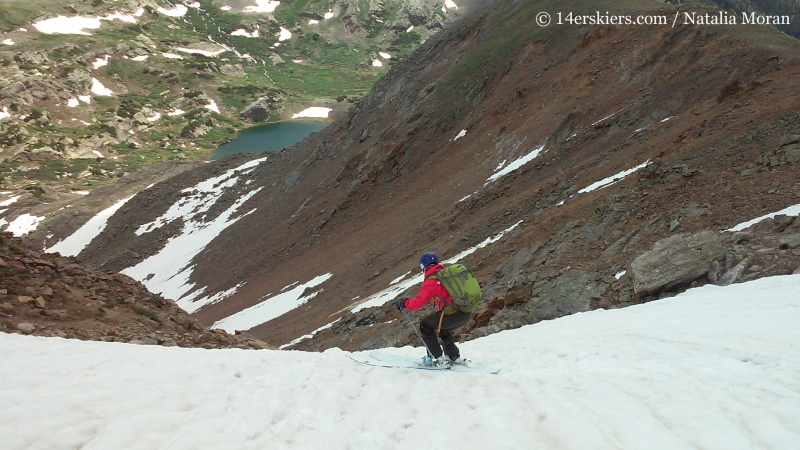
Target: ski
(382, 359)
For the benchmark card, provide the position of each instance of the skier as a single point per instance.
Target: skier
(444, 321)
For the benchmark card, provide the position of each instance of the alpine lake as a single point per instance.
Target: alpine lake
(269, 137)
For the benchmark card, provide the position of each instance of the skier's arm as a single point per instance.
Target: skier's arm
(426, 293)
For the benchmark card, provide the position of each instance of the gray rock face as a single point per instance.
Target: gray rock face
(675, 260)
(261, 109)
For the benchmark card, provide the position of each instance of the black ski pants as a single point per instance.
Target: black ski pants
(428, 326)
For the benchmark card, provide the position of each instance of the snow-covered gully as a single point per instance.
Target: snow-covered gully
(711, 368)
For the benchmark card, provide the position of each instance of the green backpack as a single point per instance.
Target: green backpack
(462, 286)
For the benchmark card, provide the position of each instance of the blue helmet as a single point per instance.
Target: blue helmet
(428, 259)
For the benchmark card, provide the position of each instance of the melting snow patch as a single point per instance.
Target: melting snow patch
(195, 5)
(155, 117)
(243, 32)
(140, 58)
(399, 279)
(284, 34)
(460, 134)
(270, 308)
(100, 62)
(177, 11)
(98, 154)
(177, 112)
(85, 98)
(385, 55)
(314, 111)
(605, 182)
(24, 224)
(212, 106)
(408, 30)
(516, 164)
(790, 211)
(670, 117)
(4, 114)
(464, 198)
(169, 270)
(308, 336)
(99, 89)
(226, 8)
(619, 275)
(377, 63)
(313, 21)
(10, 200)
(171, 56)
(328, 15)
(8, 42)
(484, 243)
(76, 242)
(450, 4)
(608, 117)
(76, 25)
(263, 6)
(73, 102)
(201, 52)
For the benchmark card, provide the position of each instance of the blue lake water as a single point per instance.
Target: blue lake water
(272, 136)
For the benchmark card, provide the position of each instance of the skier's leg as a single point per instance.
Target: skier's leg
(449, 324)
(427, 328)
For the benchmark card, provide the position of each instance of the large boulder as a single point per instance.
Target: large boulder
(261, 108)
(674, 261)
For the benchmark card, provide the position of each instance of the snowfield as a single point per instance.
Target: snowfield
(713, 368)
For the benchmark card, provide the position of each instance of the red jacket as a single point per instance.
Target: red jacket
(431, 290)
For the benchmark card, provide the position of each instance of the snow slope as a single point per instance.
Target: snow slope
(713, 368)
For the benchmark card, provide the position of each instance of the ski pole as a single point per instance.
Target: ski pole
(417, 332)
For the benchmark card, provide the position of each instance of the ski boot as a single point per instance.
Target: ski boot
(427, 361)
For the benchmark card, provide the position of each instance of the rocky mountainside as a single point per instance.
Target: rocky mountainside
(43, 295)
(92, 91)
(549, 160)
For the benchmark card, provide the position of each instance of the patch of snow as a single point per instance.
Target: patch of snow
(464, 198)
(450, 4)
(140, 58)
(82, 237)
(195, 5)
(642, 129)
(516, 164)
(171, 56)
(4, 114)
(263, 6)
(608, 117)
(201, 52)
(560, 203)
(77, 24)
(460, 134)
(605, 182)
(73, 102)
(100, 62)
(226, 8)
(385, 55)
(85, 98)
(9, 201)
(484, 243)
(24, 224)
(168, 271)
(399, 279)
(177, 112)
(81, 192)
(297, 61)
(193, 301)
(377, 63)
(8, 42)
(313, 21)
(98, 154)
(308, 336)
(790, 211)
(328, 15)
(177, 11)
(670, 117)
(24, 30)
(500, 166)
(408, 30)
(619, 275)
(99, 89)
(284, 34)
(314, 111)
(154, 117)
(212, 106)
(270, 308)
(243, 32)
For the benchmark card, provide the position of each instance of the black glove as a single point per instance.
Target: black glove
(401, 304)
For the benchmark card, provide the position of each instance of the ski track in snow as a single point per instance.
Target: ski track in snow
(713, 368)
